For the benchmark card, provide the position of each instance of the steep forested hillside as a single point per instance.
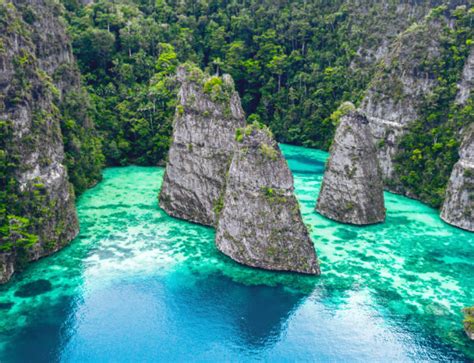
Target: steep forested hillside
(294, 63)
(411, 102)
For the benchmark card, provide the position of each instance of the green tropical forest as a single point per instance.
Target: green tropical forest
(294, 63)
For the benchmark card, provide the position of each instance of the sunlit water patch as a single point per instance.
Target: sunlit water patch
(137, 285)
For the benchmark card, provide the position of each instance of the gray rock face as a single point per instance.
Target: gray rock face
(352, 188)
(466, 85)
(458, 207)
(207, 116)
(7, 266)
(397, 16)
(260, 224)
(395, 96)
(54, 55)
(32, 142)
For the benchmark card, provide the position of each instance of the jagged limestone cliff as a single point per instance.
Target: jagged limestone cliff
(458, 207)
(37, 79)
(7, 266)
(352, 188)
(466, 86)
(260, 223)
(380, 22)
(411, 103)
(40, 213)
(84, 158)
(207, 116)
(396, 94)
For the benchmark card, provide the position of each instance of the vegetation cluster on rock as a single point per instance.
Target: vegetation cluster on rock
(224, 174)
(469, 322)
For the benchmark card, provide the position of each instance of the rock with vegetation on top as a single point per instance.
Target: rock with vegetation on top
(207, 116)
(352, 188)
(38, 214)
(458, 207)
(469, 322)
(260, 223)
(396, 95)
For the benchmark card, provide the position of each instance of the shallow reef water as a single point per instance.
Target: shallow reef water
(137, 285)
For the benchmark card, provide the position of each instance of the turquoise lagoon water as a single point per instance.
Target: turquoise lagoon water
(137, 285)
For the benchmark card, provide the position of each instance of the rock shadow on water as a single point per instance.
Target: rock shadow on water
(314, 170)
(304, 165)
(258, 312)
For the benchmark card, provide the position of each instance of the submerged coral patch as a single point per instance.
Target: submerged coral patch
(6, 305)
(34, 288)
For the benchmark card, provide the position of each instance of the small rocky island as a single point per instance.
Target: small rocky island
(352, 188)
(222, 173)
(469, 322)
(207, 117)
(458, 207)
(260, 223)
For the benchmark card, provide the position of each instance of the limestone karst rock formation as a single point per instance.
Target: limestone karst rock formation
(458, 207)
(48, 143)
(207, 116)
(396, 95)
(390, 18)
(260, 223)
(352, 188)
(208, 165)
(39, 198)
